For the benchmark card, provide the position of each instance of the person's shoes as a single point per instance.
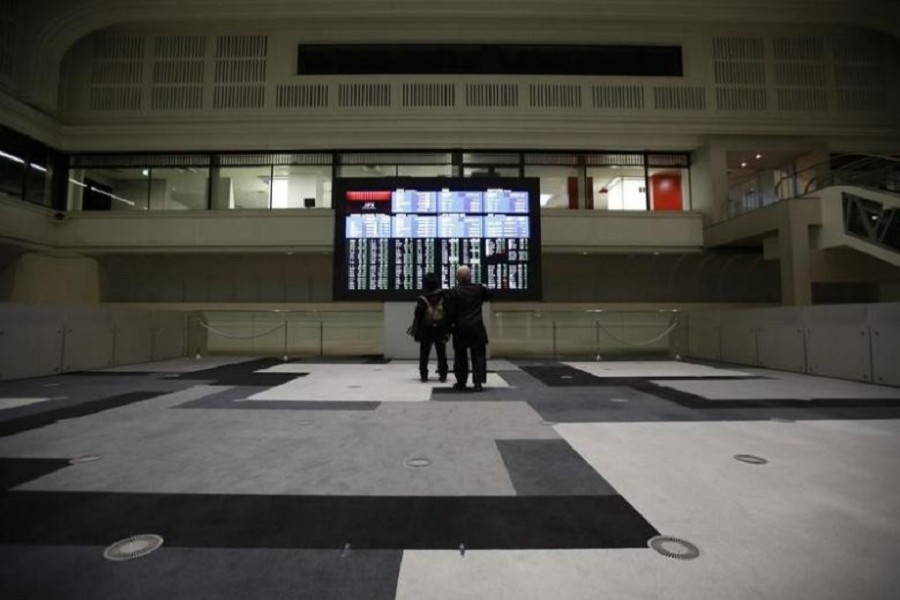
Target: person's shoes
(478, 387)
(442, 379)
(423, 378)
(459, 387)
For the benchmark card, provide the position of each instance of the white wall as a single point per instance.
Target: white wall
(854, 341)
(52, 339)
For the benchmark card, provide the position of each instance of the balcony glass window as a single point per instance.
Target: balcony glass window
(617, 188)
(37, 183)
(490, 171)
(301, 187)
(425, 170)
(12, 175)
(179, 188)
(371, 170)
(559, 185)
(110, 188)
(242, 188)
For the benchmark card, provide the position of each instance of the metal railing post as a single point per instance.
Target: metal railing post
(284, 355)
(554, 338)
(321, 338)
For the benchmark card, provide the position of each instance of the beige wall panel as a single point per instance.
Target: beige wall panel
(31, 341)
(704, 335)
(42, 279)
(134, 337)
(781, 339)
(884, 324)
(579, 230)
(738, 336)
(168, 334)
(89, 339)
(837, 341)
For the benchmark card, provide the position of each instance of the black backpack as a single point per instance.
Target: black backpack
(434, 312)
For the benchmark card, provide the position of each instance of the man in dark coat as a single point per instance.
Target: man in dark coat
(469, 333)
(432, 326)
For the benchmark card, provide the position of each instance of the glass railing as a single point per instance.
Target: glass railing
(286, 333)
(594, 333)
(870, 171)
(590, 334)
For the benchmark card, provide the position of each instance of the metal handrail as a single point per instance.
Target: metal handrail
(865, 171)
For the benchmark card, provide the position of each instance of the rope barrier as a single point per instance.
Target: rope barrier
(644, 343)
(240, 337)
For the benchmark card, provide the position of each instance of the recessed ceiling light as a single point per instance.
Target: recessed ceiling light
(743, 164)
(758, 156)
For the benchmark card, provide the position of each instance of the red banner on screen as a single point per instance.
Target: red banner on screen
(368, 196)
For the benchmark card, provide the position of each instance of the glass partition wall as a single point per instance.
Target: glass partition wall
(613, 181)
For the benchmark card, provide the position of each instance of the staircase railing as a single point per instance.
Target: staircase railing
(874, 171)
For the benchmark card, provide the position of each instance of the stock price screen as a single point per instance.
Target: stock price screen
(389, 232)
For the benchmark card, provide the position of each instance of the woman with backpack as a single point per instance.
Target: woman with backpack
(432, 326)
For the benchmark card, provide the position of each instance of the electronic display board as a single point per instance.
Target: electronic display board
(390, 231)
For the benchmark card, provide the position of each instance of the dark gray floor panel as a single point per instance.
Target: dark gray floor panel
(16, 471)
(550, 468)
(69, 391)
(324, 522)
(48, 417)
(65, 572)
(236, 398)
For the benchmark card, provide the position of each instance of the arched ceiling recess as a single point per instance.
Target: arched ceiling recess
(53, 26)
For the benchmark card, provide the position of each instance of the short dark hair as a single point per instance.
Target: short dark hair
(430, 282)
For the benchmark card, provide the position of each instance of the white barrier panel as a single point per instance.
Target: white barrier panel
(134, 337)
(31, 340)
(837, 342)
(40, 340)
(398, 317)
(703, 335)
(780, 339)
(169, 334)
(884, 324)
(851, 341)
(89, 338)
(738, 341)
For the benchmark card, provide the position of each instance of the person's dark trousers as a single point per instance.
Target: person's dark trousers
(479, 363)
(440, 348)
(460, 362)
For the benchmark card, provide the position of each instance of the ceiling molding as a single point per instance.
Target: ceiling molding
(55, 25)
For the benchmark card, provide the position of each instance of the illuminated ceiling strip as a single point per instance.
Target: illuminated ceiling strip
(113, 196)
(11, 157)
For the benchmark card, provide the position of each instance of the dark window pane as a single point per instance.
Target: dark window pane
(488, 59)
(12, 175)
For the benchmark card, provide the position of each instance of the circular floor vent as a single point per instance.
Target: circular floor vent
(673, 547)
(750, 459)
(134, 547)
